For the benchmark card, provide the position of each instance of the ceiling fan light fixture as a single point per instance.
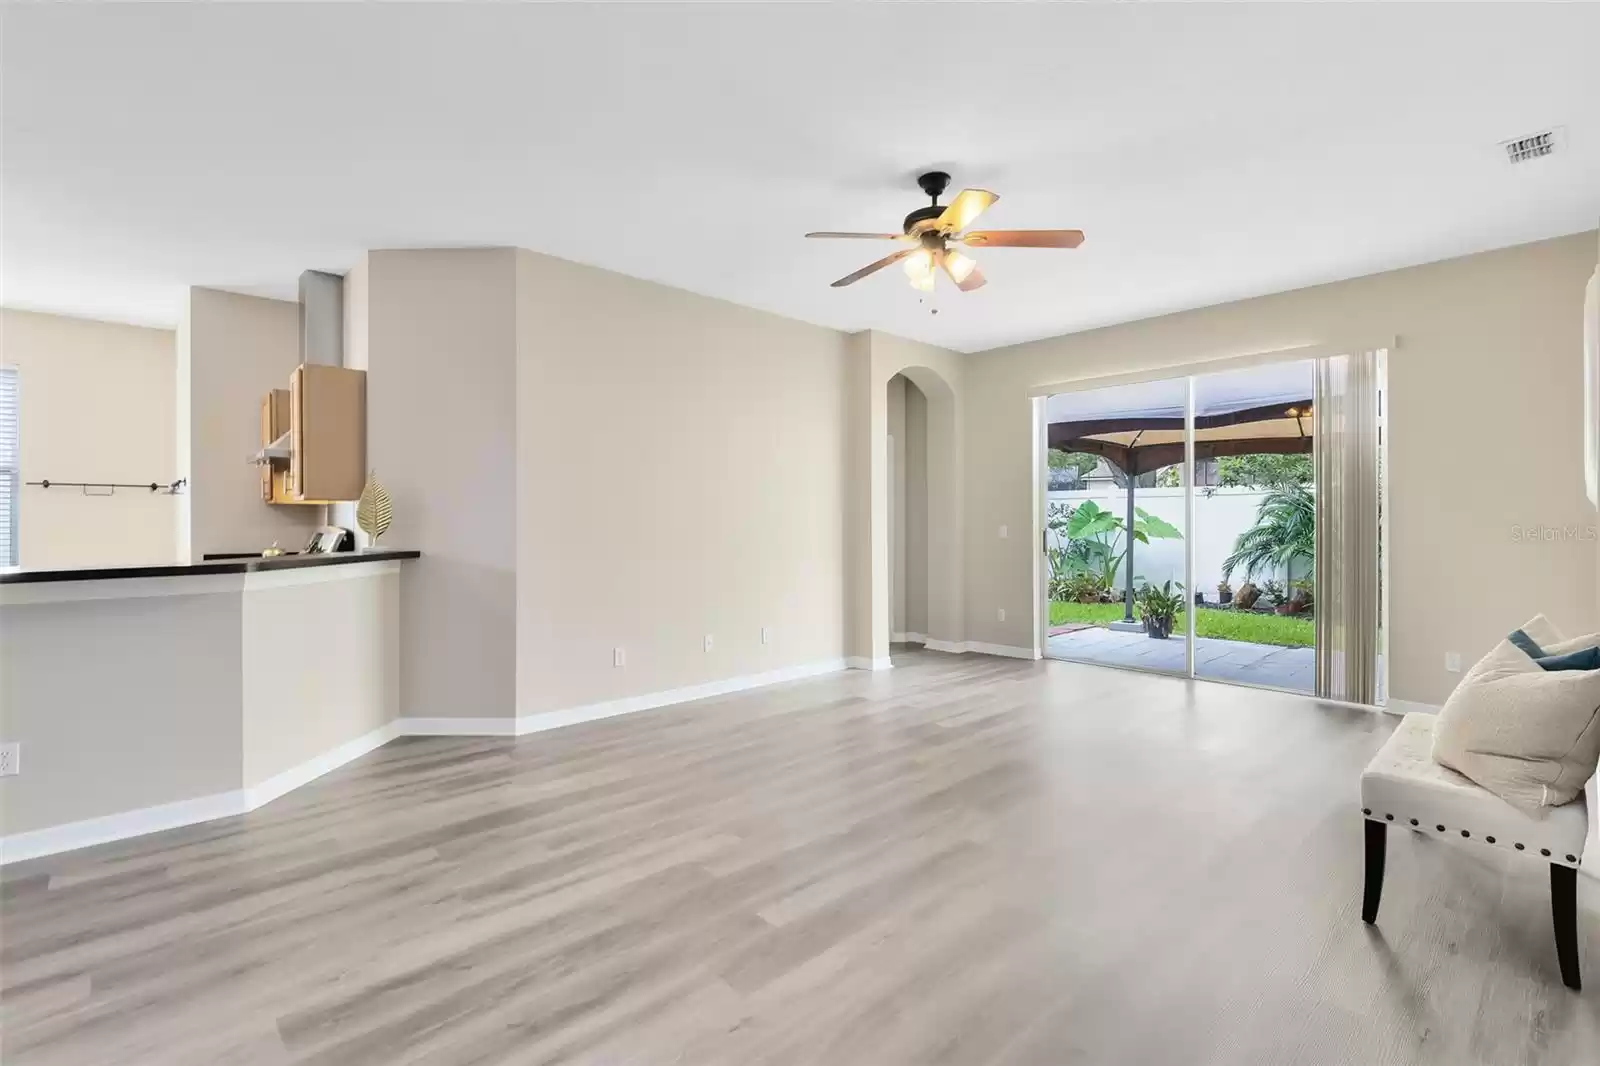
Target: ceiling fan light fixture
(919, 265)
(960, 266)
(931, 231)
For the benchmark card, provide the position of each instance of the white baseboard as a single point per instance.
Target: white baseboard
(1407, 706)
(89, 832)
(862, 662)
(542, 720)
(1009, 651)
(504, 726)
(908, 638)
(962, 647)
(308, 771)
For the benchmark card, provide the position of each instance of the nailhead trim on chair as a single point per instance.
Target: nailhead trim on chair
(1468, 834)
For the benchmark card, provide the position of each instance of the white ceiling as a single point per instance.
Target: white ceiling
(1209, 153)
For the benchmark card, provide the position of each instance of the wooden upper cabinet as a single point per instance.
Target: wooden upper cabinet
(274, 424)
(327, 433)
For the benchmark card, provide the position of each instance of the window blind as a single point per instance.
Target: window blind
(9, 461)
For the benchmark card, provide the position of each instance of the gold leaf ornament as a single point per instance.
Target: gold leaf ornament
(374, 509)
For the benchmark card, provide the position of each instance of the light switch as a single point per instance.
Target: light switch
(619, 657)
(1452, 661)
(709, 642)
(1002, 613)
(1004, 532)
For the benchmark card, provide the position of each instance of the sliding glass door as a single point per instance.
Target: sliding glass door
(1255, 525)
(1184, 526)
(1115, 526)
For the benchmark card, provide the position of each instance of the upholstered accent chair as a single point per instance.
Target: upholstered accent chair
(1404, 786)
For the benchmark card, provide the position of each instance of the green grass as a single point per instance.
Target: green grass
(1284, 630)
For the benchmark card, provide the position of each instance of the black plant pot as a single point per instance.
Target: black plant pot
(1157, 628)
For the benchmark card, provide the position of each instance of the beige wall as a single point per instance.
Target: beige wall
(321, 663)
(680, 471)
(232, 350)
(98, 403)
(897, 505)
(916, 511)
(440, 352)
(1485, 389)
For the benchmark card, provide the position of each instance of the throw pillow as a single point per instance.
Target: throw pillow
(1582, 659)
(1529, 735)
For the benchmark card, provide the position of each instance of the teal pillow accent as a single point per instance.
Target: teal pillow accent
(1582, 659)
(1527, 644)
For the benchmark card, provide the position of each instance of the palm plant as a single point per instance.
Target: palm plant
(1285, 531)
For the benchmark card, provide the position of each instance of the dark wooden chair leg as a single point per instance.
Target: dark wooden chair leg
(1564, 909)
(1377, 839)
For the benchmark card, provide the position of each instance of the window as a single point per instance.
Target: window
(9, 484)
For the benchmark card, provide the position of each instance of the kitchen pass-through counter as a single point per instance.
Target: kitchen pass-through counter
(147, 697)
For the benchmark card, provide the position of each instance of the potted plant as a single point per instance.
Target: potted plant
(1224, 593)
(1159, 607)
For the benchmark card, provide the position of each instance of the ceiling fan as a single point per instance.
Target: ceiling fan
(933, 231)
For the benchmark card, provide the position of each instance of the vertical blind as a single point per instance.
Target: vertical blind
(9, 478)
(1348, 527)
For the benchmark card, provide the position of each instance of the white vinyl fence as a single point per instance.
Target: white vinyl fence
(1219, 519)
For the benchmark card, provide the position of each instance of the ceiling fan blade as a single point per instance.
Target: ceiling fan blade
(968, 205)
(860, 236)
(962, 270)
(1024, 238)
(873, 268)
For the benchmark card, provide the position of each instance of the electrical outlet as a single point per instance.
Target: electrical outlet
(709, 642)
(10, 759)
(619, 657)
(1452, 661)
(1002, 613)
(766, 634)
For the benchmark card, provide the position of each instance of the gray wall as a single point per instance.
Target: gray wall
(118, 704)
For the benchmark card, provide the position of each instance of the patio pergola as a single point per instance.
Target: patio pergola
(1140, 444)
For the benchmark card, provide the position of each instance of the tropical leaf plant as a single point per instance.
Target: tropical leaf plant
(1285, 532)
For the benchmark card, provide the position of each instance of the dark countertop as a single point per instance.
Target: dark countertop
(246, 565)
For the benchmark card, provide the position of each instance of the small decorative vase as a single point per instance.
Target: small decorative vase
(374, 509)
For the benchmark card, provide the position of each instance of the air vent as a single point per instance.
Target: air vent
(1533, 146)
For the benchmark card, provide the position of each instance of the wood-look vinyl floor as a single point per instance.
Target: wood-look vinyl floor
(965, 860)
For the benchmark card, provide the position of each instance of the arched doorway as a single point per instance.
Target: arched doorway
(936, 375)
(909, 519)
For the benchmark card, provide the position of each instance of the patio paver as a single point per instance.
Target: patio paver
(1222, 660)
